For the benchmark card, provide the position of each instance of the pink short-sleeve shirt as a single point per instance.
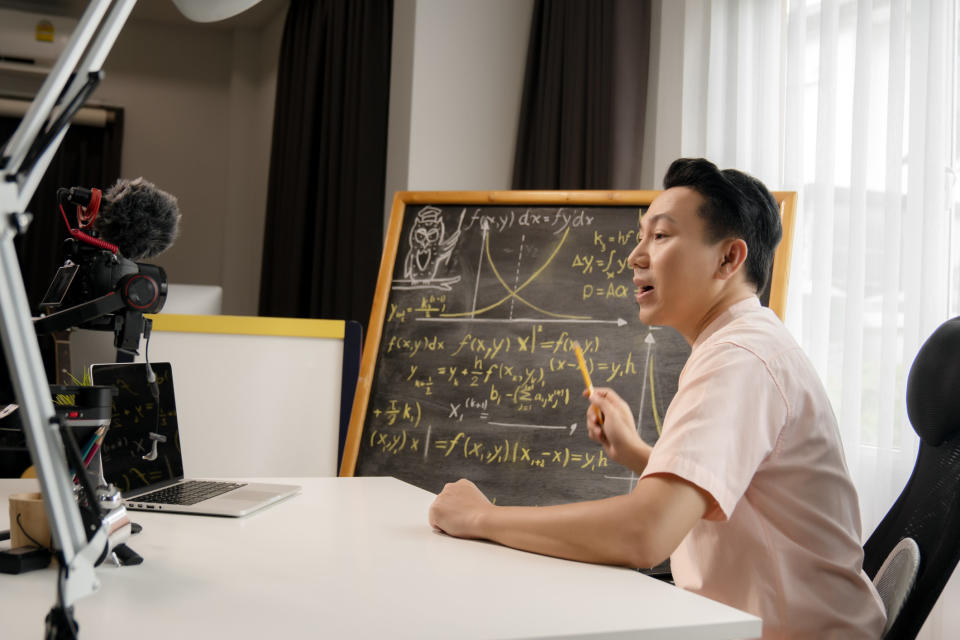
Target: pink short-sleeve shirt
(752, 426)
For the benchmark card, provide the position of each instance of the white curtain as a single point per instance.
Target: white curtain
(852, 103)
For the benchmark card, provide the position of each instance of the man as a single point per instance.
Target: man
(747, 490)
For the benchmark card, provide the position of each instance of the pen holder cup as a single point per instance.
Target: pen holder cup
(28, 521)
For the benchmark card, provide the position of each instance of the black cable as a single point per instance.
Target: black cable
(24, 532)
(54, 128)
(61, 578)
(60, 624)
(151, 376)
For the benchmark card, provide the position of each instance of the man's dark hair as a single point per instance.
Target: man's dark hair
(736, 205)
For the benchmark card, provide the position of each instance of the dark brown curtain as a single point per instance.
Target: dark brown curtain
(324, 218)
(89, 156)
(577, 114)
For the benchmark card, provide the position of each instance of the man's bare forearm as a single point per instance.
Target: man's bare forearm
(601, 531)
(640, 529)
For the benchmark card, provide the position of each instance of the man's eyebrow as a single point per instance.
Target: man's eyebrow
(649, 220)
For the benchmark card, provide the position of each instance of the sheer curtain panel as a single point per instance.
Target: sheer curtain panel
(854, 104)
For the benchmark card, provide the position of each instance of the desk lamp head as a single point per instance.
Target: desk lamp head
(212, 10)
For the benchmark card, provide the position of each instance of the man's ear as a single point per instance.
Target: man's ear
(733, 256)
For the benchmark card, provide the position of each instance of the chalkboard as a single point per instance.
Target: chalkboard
(469, 369)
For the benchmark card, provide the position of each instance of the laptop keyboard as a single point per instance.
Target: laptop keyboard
(187, 493)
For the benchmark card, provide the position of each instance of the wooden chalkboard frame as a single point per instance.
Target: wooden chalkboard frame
(778, 288)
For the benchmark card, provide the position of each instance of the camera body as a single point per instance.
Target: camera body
(100, 289)
(91, 273)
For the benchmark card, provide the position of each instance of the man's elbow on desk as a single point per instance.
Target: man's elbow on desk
(652, 521)
(633, 540)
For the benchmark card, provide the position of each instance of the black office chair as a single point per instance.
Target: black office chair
(928, 509)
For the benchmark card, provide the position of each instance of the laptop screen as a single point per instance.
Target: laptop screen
(142, 445)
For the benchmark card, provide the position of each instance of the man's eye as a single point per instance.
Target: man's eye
(659, 236)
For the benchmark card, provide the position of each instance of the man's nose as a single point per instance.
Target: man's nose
(638, 257)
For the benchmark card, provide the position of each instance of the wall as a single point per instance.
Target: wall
(199, 116)
(253, 88)
(664, 93)
(198, 105)
(457, 82)
(173, 83)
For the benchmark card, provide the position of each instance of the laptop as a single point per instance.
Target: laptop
(141, 452)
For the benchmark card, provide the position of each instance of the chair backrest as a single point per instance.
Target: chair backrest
(928, 509)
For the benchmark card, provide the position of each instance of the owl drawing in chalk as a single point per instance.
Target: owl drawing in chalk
(429, 249)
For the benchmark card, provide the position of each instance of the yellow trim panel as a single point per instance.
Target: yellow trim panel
(249, 325)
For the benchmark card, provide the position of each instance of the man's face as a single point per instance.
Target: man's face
(674, 267)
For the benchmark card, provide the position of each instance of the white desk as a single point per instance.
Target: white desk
(354, 558)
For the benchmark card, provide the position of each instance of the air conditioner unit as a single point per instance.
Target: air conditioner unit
(32, 41)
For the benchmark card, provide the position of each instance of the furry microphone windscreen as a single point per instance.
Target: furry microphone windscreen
(139, 218)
